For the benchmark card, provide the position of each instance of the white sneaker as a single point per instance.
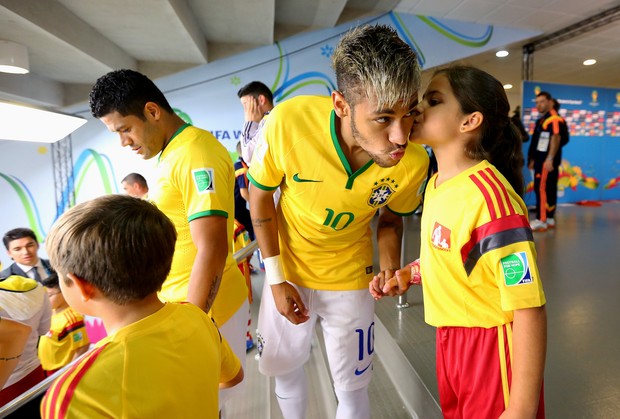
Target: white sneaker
(538, 225)
(551, 222)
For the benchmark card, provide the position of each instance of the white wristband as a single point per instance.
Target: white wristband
(273, 270)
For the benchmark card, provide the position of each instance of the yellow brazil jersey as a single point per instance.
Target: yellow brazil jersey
(67, 334)
(167, 365)
(477, 257)
(325, 209)
(196, 179)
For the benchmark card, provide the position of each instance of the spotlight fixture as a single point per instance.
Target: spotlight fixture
(502, 53)
(13, 58)
(590, 61)
(507, 86)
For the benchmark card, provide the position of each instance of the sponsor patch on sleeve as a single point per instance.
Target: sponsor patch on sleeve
(516, 269)
(204, 180)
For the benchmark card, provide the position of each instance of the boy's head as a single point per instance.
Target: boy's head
(120, 245)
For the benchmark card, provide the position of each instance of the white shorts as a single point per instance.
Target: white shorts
(235, 331)
(347, 319)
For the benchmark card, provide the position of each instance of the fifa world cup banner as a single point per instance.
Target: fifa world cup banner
(590, 169)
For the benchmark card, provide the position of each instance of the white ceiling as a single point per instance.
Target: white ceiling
(73, 42)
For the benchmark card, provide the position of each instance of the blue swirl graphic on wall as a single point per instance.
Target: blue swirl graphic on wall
(81, 168)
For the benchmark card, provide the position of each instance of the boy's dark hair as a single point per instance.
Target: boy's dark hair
(255, 89)
(135, 178)
(500, 141)
(18, 233)
(51, 281)
(126, 92)
(121, 245)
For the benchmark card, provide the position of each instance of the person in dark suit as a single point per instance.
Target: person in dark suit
(22, 246)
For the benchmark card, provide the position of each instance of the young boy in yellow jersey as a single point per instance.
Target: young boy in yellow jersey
(67, 338)
(166, 360)
(337, 160)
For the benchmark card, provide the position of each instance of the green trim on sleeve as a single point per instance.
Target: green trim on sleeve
(259, 186)
(207, 213)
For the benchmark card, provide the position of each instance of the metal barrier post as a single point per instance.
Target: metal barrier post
(402, 299)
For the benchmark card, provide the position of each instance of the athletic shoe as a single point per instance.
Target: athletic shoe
(538, 225)
(551, 222)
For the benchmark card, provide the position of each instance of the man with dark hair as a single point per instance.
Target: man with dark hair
(545, 157)
(257, 101)
(338, 161)
(134, 184)
(194, 189)
(22, 246)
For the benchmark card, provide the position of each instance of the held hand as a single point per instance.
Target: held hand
(386, 283)
(289, 303)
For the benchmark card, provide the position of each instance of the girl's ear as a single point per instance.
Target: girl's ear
(86, 288)
(471, 122)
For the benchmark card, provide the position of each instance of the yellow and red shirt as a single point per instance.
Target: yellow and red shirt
(167, 365)
(67, 334)
(477, 257)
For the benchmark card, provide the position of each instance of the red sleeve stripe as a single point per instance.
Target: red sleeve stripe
(490, 186)
(512, 222)
(70, 328)
(502, 187)
(485, 193)
(53, 396)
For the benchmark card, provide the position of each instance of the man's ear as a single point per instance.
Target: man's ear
(471, 122)
(87, 290)
(152, 111)
(341, 106)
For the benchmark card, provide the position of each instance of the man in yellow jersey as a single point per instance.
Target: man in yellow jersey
(338, 160)
(194, 189)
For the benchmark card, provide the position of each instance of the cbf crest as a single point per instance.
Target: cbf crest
(381, 192)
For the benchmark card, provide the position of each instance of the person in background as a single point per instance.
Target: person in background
(67, 339)
(194, 188)
(338, 160)
(24, 300)
(134, 184)
(22, 246)
(544, 158)
(482, 288)
(257, 101)
(159, 360)
(242, 196)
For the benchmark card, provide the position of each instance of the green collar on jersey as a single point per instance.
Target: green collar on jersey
(343, 158)
(172, 138)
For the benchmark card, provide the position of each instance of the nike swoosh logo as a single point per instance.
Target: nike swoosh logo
(296, 178)
(358, 372)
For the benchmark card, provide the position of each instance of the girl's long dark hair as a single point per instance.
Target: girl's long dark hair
(500, 142)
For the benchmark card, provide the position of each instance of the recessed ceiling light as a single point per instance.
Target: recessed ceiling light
(501, 54)
(590, 61)
(507, 86)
